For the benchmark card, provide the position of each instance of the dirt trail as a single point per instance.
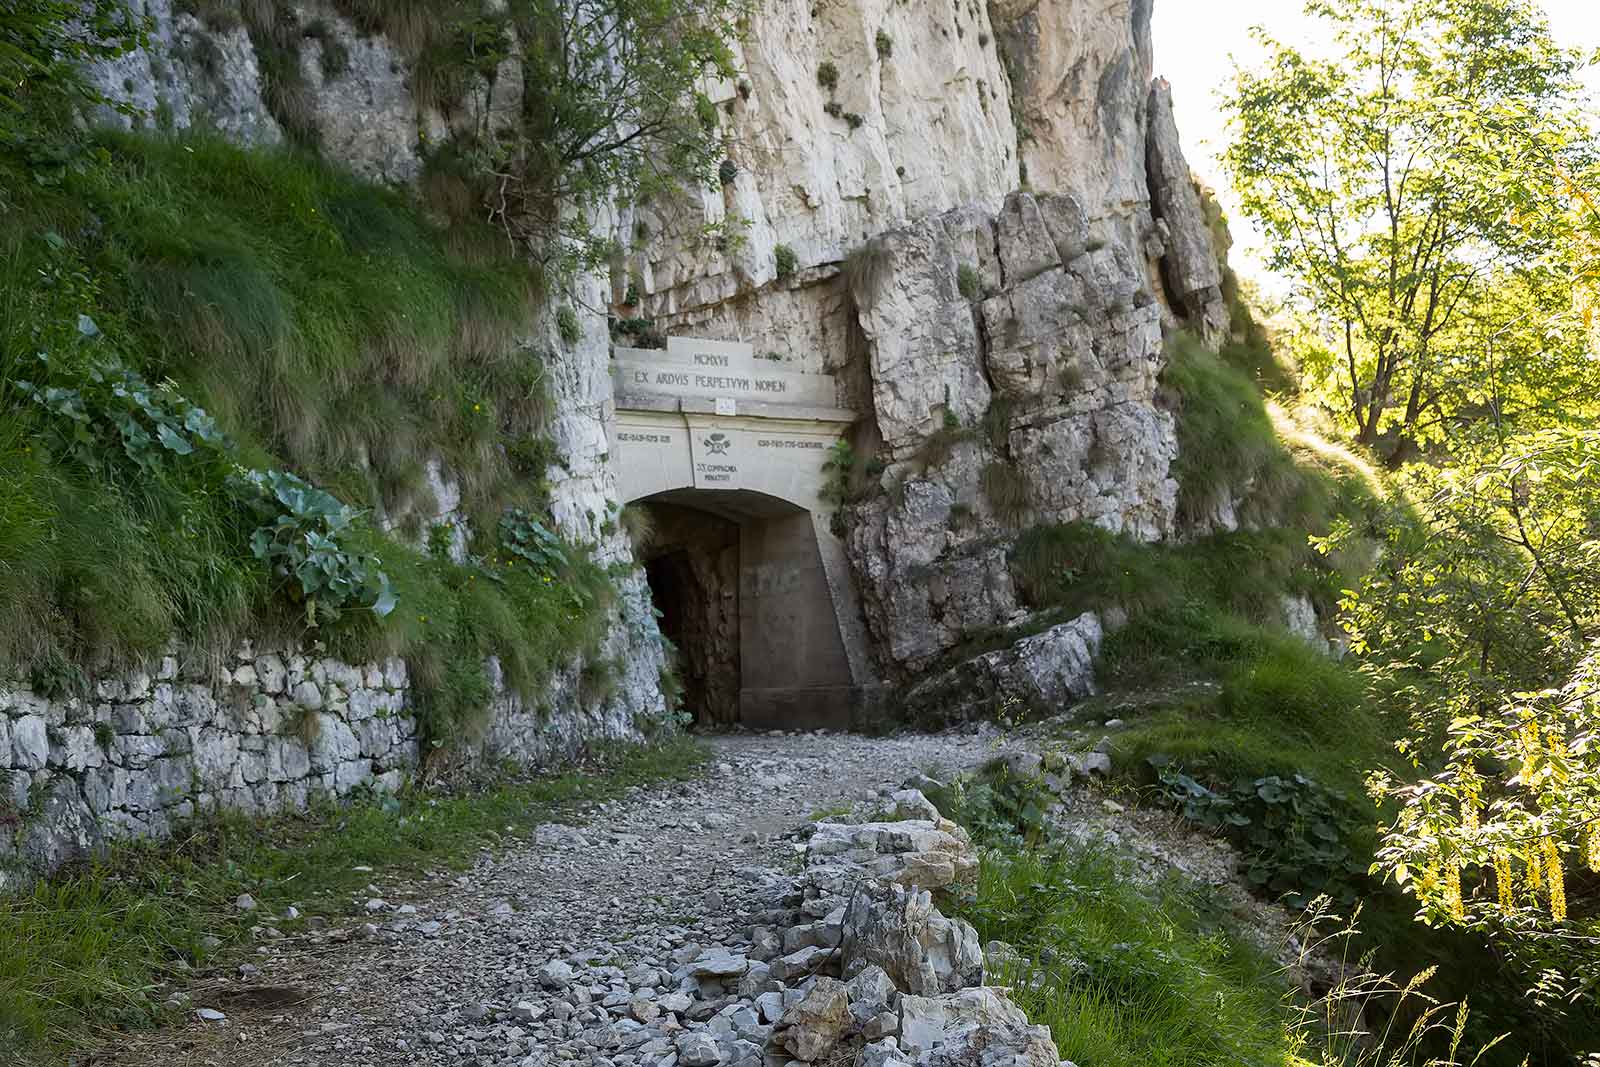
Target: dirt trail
(646, 876)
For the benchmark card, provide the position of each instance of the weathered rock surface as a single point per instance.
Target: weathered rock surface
(898, 930)
(1045, 672)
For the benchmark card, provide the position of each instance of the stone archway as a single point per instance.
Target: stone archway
(749, 580)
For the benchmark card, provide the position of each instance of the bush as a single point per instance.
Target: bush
(785, 261)
(967, 281)
(884, 44)
(828, 75)
(567, 326)
(1007, 491)
(1294, 834)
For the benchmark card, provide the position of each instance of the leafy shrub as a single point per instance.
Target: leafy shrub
(727, 171)
(567, 326)
(853, 120)
(1294, 832)
(884, 44)
(301, 539)
(785, 260)
(828, 75)
(1001, 809)
(833, 109)
(968, 282)
(108, 412)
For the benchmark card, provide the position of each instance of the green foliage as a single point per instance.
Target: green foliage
(1227, 444)
(638, 523)
(333, 335)
(727, 171)
(1081, 567)
(1292, 831)
(1417, 186)
(1007, 491)
(1001, 809)
(87, 950)
(968, 282)
(1126, 974)
(828, 75)
(108, 413)
(302, 537)
(884, 44)
(785, 261)
(44, 45)
(853, 120)
(847, 475)
(605, 110)
(567, 326)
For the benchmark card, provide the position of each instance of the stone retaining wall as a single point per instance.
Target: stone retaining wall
(258, 732)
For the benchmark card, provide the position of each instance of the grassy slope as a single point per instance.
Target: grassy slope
(1207, 611)
(333, 330)
(1125, 973)
(87, 950)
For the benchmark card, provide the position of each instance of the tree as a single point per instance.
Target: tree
(1417, 188)
(44, 42)
(611, 106)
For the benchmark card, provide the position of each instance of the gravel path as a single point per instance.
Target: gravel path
(434, 973)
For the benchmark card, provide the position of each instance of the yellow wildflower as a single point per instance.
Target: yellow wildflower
(1592, 846)
(1553, 874)
(1502, 878)
(1535, 869)
(1452, 891)
(1528, 740)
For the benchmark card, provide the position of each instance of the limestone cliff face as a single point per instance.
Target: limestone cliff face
(991, 229)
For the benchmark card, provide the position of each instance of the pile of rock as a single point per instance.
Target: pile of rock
(852, 965)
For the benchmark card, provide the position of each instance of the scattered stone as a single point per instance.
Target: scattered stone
(813, 1027)
(245, 902)
(698, 1049)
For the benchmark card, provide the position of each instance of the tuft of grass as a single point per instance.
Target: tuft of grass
(100, 946)
(866, 269)
(1124, 974)
(1007, 491)
(639, 524)
(967, 281)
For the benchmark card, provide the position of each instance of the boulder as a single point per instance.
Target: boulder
(811, 1028)
(920, 950)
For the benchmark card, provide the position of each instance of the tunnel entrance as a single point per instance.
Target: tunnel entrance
(692, 564)
(738, 581)
(731, 455)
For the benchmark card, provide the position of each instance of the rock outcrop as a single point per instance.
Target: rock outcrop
(987, 231)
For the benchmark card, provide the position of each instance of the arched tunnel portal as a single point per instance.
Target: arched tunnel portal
(749, 581)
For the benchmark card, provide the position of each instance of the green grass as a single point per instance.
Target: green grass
(1126, 975)
(86, 951)
(1228, 445)
(332, 330)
